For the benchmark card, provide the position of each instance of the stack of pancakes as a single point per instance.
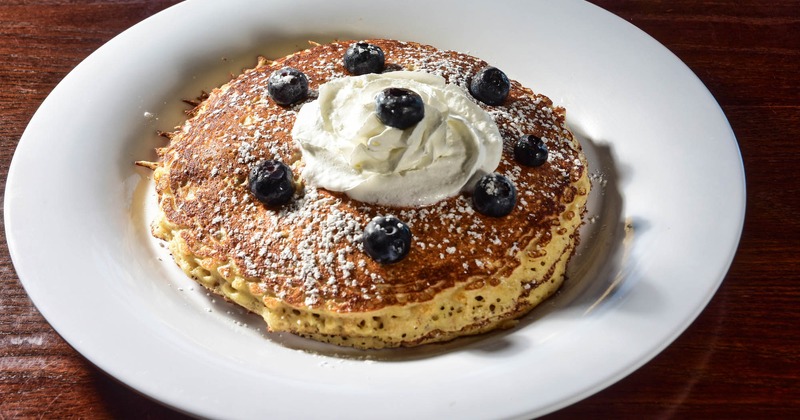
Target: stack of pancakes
(302, 266)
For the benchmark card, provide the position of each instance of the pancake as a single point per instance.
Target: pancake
(302, 266)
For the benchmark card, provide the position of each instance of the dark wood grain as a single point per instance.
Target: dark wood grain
(739, 359)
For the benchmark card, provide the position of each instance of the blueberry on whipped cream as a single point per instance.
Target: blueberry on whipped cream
(399, 108)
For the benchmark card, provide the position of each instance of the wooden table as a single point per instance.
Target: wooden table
(740, 359)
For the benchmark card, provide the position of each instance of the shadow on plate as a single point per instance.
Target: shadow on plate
(598, 275)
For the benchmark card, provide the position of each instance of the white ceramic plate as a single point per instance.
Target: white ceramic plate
(666, 214)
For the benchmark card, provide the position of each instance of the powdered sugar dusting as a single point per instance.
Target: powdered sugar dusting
(309, 251)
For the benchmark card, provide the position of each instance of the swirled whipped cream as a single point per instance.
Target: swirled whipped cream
(346, 148)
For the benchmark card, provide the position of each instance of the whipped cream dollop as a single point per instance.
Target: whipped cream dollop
(346, 148)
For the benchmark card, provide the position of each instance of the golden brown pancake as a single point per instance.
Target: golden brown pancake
(302, 266)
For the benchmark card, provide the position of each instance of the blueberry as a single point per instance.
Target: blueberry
(287, 86)
(399, 108)
(387, 239)
(494, 195)
(362, 58)
(272, 183)
(530, 150)
(490, 86)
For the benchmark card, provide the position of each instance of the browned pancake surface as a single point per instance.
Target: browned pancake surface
(308, 253)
